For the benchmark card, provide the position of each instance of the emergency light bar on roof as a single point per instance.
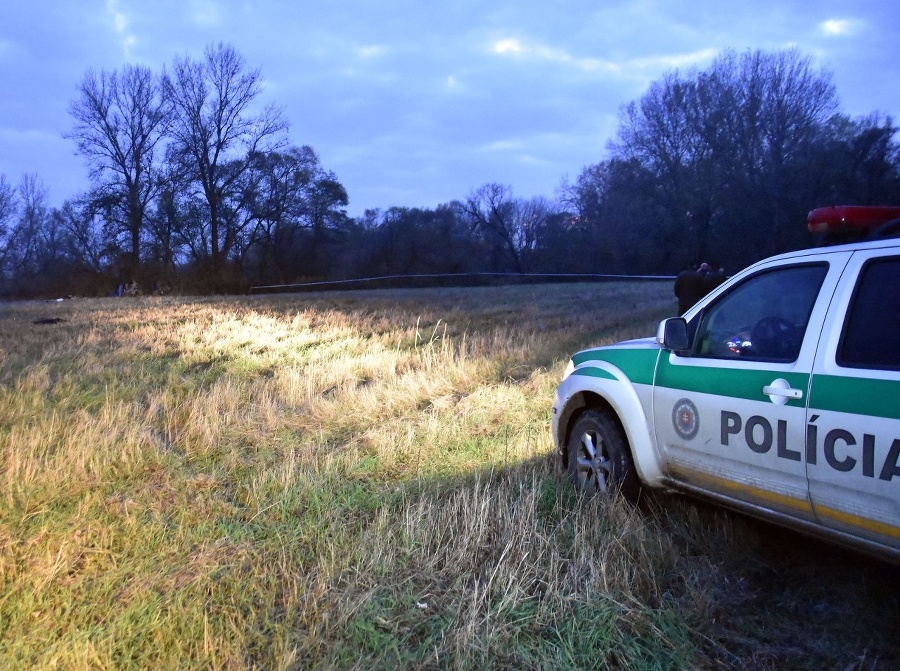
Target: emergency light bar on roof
(851, 218)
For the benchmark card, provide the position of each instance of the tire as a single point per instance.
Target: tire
(600, 460)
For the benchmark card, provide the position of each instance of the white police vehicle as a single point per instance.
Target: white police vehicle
(778, 394)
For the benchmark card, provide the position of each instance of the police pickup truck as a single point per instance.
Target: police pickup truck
(778, 394)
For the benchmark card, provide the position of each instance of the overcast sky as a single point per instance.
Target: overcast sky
(416, 103)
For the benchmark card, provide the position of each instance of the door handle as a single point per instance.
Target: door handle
(780, 391)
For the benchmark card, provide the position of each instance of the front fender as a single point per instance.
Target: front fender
(597, 383)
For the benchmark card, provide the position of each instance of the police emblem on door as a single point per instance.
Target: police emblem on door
(685, 419)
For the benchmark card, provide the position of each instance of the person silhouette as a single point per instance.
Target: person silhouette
(690, 287)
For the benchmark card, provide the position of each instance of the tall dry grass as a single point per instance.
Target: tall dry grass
(351, 480)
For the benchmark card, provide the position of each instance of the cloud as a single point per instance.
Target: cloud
(508, 47)
(833, 27)
(540, 52)
(120, 26)
(25, 137)
(670, 61)
(627, 68)
(504, 145)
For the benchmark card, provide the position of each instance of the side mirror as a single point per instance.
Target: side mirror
(673, 334)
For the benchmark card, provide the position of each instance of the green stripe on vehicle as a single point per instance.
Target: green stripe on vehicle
(860, 396)
(595, 372)
(730, 382)
(637, 364)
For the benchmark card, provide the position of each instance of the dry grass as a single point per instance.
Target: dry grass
(364, 480)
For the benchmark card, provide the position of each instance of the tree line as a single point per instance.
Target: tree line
(195, 187)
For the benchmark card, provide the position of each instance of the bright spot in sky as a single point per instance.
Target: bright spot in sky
(836, 27)
(508, 46)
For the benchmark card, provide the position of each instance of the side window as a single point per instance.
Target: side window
(871, 337)
(763, 318)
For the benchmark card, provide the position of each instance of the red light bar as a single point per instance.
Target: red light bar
(850, 217)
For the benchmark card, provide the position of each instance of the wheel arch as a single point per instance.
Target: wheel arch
(635, 429)
(578, 403)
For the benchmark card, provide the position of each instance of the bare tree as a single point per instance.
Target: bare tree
(215, 136)
(40, 254)
(8, 210)
(533, 218)
(491, 210)
(86, 234)
(121, 118)
(27, 239)
(511, 227)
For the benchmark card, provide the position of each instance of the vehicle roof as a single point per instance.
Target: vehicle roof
(824, 250)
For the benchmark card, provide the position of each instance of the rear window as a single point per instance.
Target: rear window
(871, 336)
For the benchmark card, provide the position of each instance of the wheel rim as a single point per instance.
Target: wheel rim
(593, 467)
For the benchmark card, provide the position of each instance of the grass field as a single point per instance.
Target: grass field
(366, 480)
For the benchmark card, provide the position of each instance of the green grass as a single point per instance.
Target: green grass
(366, 480)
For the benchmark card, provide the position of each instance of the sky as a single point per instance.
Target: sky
(414, 103)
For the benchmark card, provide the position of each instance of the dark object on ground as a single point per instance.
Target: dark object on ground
(49, 320)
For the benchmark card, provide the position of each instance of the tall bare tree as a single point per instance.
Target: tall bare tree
(121, 119)
(215, 136)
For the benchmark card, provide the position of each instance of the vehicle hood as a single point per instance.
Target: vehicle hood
(631, 359)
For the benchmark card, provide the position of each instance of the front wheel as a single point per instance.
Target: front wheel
(599, 459)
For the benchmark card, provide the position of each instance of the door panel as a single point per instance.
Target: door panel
(853, 442)
(736, 441)
(730, 415)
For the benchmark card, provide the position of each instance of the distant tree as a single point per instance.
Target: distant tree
(536, 220)
(415, 241)
(8, 205)
(278, 188)
(8, 211)
(562, 244)
(41, 256)
(620, 225)
(399, 245)
(167, 224)
(295, 202)
(858, 161)
(326, 200)
(30, 243)
(121, 120)
(492, 212)
(215, 138)
(728, 149)
(86, 234)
